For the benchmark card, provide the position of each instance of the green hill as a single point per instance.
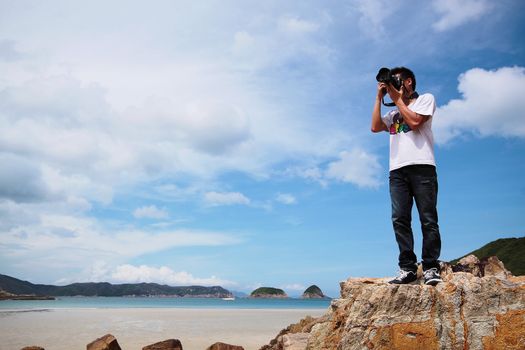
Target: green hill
(268, 292)
(16, 286)
(313, 292)
(511, 251)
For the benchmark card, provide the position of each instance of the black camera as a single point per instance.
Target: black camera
(385, 76)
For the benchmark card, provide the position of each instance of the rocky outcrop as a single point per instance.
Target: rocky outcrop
(313, 292)
(479, 305)
(169, 344)
(107, 342)
(293, 337)
(224, 346)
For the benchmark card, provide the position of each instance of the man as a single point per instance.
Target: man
(412, 173)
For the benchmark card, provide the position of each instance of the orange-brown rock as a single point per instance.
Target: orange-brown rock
(33, 348)
(224, 346)
(478, 306)
(107, 342)
(169, 344)
(509, 334)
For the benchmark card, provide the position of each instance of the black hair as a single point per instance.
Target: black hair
(405, 74)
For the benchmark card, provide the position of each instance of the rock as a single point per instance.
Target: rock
(470, 263)
(303, 326)
(224, 346)
(107, 342)
(492, 266)
(466, 311)
(32, 348)
(295, 341)
(169, 344)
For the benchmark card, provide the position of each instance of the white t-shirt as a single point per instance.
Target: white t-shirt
(407, 146)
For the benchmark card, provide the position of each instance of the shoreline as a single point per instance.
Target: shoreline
(134, 328)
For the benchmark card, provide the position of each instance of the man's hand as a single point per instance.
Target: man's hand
(381, 90)
(395, 95)
(377, 124)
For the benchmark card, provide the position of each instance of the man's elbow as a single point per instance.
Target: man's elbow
(420, 120)
(415, 125)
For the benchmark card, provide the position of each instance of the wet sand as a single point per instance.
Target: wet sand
(70, 329)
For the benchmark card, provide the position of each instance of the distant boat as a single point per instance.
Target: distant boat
(229, 298)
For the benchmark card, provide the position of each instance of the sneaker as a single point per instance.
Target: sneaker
(432, 276)
(404, 277)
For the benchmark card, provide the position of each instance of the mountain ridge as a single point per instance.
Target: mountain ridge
(16, 286)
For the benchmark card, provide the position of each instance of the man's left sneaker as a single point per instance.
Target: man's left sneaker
(432, 276)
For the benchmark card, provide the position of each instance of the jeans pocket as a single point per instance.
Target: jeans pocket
(426, 186)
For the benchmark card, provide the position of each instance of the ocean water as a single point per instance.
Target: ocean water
(162, 302)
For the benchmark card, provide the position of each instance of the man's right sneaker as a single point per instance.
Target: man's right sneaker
(404, 277)
(432, 276)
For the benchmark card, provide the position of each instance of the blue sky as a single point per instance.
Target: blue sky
(228, 142)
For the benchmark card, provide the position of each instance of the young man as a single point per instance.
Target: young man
(412, 173)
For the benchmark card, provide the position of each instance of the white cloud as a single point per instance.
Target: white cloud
(491, 104)
(225, 198)
(163, 275)
(8, 51)
(286, 198)
(357, 167)
(49, 241)
(162, 114)
(297, 26)
(151, 212)
(373, 16)
(455, 13)
(294, 287)
(21, 179)
(276, 42)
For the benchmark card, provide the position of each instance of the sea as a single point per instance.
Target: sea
(162, 302)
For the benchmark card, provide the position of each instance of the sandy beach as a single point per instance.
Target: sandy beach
(70, 329)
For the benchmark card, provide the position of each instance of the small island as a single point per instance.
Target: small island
(268, 293)
(313, 292)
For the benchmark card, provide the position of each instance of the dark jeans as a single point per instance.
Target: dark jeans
(417, 182)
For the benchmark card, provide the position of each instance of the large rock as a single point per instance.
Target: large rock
(466, 311)
(295, 341)
(294, 334)
(107, 342)
(490, 266)
(169, 344)
(224, 346)
(32, 348)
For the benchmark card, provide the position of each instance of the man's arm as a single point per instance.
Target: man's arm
(377, 123)
(413, 119)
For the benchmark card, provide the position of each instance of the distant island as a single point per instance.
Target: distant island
(268, 293)
(314, 292)
(13, 286)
